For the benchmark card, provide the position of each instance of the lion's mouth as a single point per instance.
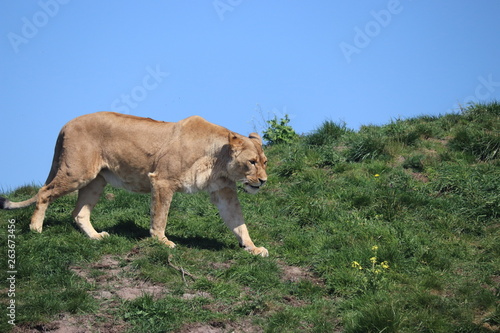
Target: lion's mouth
(249, 188)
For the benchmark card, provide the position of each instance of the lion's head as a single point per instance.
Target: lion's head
(248, 162)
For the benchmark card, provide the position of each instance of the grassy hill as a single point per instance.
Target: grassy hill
(391, 228)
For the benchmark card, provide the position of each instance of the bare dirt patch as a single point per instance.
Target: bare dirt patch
(111, 279)
(222, 265)
(419, 177)
(296, 274)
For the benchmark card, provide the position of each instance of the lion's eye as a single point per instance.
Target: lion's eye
(253, 162)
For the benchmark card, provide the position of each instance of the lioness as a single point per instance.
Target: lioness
(145, 155)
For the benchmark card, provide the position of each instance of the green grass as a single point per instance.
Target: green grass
(391, 228)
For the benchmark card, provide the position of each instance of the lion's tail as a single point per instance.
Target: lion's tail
(7, 204)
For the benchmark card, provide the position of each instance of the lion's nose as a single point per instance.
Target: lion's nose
(262, 181)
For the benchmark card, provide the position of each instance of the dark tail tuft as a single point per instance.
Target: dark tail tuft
(7, 204)
(3, 202)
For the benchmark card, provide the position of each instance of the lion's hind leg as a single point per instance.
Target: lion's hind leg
(47, 194)
(87, 199)
(161, 197)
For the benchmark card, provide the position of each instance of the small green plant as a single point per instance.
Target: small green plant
(279, 131)
(372, 277)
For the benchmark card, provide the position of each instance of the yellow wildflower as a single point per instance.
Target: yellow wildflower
(384, 264)
(356, 264)
(377, 175)
(374, 248)
(373, 260)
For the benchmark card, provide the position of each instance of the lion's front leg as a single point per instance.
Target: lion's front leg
(227, 202)
(161, 197)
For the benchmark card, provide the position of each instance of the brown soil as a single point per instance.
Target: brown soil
(296, 274)
(114, 281)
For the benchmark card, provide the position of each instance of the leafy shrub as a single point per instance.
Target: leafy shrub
(279, 131)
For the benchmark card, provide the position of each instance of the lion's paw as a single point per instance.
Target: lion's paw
(36, 228)
(100, 235)
(260, 251)
(168, 243)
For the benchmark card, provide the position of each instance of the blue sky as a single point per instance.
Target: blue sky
(236, 63)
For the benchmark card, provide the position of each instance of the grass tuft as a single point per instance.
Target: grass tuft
(328, 133)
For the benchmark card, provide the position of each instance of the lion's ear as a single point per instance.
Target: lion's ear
(256, 137)
(235, 141)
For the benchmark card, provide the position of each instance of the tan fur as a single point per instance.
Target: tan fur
(144, 155)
